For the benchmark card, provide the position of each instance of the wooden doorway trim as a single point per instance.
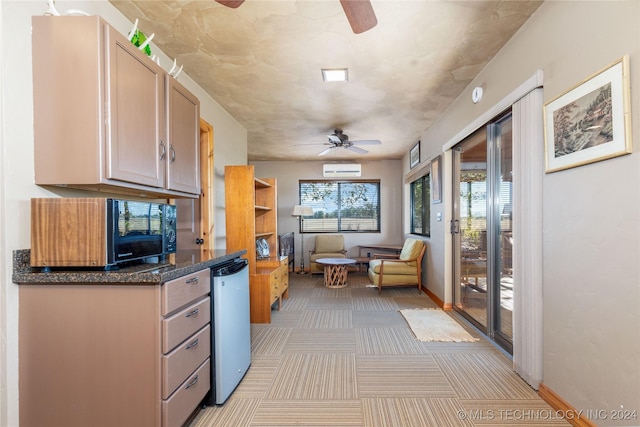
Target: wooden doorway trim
(207, 200)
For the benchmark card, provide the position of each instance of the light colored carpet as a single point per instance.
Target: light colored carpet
(435, 325)
(347, 357)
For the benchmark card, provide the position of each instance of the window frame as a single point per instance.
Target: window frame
(339, 182)
(425, 181)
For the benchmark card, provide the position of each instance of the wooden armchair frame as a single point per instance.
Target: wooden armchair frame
(396, 259)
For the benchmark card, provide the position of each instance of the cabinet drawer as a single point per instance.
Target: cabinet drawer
(274, 281)
(284, 284)
(179, 292)
(183, 324)
(184, 401)
(284, 263)
(177, 365)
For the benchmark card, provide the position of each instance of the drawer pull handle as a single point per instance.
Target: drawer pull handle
(192, 313)
(192, 280)
(193, 344)
(192, 383)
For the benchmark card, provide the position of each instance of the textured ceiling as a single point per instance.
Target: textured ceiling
(262, 63)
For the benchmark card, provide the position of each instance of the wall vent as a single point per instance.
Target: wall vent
(341, 170)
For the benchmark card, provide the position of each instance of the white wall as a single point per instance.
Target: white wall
(591, 241)
(17, 170)
(288, 174)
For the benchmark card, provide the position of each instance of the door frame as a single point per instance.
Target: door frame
(207, 185)
(492, 228)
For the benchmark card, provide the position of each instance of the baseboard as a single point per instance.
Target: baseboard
(573, 416)
(437, 300)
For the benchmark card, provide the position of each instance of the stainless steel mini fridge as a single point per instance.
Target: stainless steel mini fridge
(231, 328)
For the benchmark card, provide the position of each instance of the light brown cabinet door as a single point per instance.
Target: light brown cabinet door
(136, 150)
(183, 139)
(188, 224)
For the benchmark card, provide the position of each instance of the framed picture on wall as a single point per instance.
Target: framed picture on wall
(591, 121)
(436, 180)
(414, 156)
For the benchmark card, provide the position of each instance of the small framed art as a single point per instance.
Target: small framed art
(414, 156)
(436, 180)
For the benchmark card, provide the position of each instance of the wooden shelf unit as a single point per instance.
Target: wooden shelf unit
(251, 213)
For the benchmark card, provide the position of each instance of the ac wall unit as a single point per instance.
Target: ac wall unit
(341, 170)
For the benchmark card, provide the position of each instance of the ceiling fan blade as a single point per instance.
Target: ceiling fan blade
(231, 3)
(367, 142)
(334, 139)
(356, 150)
(326, 151)
(360, 15)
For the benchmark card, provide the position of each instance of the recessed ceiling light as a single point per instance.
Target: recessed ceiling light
(335, 74)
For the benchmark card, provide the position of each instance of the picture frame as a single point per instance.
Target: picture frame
(414, 156)
(591, 121)
(436, 180)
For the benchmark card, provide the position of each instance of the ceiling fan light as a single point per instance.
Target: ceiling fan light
(335, 74)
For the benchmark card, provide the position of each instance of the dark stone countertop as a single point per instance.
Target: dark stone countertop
(186, 262)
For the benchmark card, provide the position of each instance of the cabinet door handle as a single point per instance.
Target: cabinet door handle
(192, 313)
(173, 153)
(163, 154)
(192, 345)
(192, 382)
(192, 280)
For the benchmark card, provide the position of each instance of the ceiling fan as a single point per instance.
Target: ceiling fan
(340, 140)
(359, 13)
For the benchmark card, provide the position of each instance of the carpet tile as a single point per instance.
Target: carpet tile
(315, 376)
(388, 341)
(401, 376)
(321, 341)
(378, 319)
(326, 319)
(309, 413)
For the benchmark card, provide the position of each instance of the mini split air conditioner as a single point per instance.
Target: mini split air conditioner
(341, 170)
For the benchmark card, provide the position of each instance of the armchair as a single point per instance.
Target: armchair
(403, 269)
(326, 246)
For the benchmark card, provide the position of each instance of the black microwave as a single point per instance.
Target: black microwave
(99, 232)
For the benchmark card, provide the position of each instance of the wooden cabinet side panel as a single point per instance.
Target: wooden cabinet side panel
(183, 138)
(260, 297)
(68, 232)
(68, 99)
(89, 355)
(240, 211)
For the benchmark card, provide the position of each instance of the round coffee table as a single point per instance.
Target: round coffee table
(335, 271)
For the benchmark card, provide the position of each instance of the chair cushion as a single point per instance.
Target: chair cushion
(393, 267)
(411, 248)
(331, 243)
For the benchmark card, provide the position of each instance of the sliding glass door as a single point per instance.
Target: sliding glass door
(482, 230)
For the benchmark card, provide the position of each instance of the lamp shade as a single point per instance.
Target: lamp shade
(299, 210)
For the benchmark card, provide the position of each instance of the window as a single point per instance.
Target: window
(421, 206)
(341, 206)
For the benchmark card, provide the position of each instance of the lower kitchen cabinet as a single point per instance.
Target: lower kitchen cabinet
(114, 355)
(269, 285)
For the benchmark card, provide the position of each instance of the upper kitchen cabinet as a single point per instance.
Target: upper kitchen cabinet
(183, 133)
(108, 118)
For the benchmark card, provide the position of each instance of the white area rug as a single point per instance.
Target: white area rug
(435, 325)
